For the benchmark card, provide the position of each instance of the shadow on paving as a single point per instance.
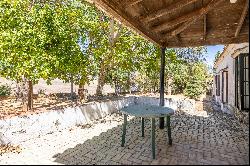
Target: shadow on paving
(214, 139)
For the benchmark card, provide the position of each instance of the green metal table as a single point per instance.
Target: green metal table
(147, 111)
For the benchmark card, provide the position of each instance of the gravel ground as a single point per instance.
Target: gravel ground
(198, 138)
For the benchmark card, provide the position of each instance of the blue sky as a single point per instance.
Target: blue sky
(211, 51)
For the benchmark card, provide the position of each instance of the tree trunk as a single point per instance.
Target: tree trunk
(27, 95)
(116, 87)
(155, 86)
(71, 89)
(81, 86)
(169, 85)
(101, 75)
(24, 95)
(144, 87)
(101, 81)
(18, 90)
(82, 93)
(113, 36)
(129, 83)
(30, 95)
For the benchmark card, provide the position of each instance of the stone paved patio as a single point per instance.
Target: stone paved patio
(204, 138)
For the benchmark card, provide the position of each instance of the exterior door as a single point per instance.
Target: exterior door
(224, 87)
(242, 82)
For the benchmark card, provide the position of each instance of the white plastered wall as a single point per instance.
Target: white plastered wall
(226, 61)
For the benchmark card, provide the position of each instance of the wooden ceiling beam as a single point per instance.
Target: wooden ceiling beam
(134, 2)
(204, 27)
(209, 41)
(128, 3)
(195, 16)
(178, 38)
(197, 34)
(182, 36)
(169, 9)
(242, 18)
(120, 15)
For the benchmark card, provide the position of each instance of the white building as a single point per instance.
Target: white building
(231, 80)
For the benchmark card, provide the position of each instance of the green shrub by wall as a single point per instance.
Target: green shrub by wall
(5, 90)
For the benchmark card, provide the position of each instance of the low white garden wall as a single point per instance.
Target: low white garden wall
(176, 104)
(18, 129)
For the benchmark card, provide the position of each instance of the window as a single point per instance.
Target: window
(224, 92)
(242, 82)
(217, 84)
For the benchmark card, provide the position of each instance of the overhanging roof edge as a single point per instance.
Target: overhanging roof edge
(111, 12)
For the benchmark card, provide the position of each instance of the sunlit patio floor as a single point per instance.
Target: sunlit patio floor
(202, 138)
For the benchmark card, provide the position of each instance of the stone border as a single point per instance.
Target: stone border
(242, 116)
(183, 104)
(20, 128)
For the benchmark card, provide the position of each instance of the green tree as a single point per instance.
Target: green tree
(198, 81)
(75, 42)
(41, 40)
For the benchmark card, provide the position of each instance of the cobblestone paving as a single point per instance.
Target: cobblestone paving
(213, 139)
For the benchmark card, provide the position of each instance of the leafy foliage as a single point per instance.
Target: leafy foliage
(5, 90)
(178, 70)
(75, 42)
(198, 81)
(40, 40)
(217, 55)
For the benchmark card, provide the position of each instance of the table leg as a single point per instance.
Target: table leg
(169, 130)
(153, 136)
(142, 127)
(161, 123)
(124, 130)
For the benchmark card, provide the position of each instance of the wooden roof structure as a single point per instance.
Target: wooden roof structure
(183, 23)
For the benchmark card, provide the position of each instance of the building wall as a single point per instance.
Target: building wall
(226, 61)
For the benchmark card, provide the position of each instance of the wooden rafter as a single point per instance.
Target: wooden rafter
(204, 27)
(242, 18)
(199, 32)
(191, 24)
(128, 21)
(188, 34)
(172, 23)
(135, 2)
(170, 8)
(198, 15)
(178, 39)
(193, 16)
(128, 3)
(208, 41)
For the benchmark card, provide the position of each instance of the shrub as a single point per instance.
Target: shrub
(41, 92)
(5, 90)
(194, 88)
(196, 85)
